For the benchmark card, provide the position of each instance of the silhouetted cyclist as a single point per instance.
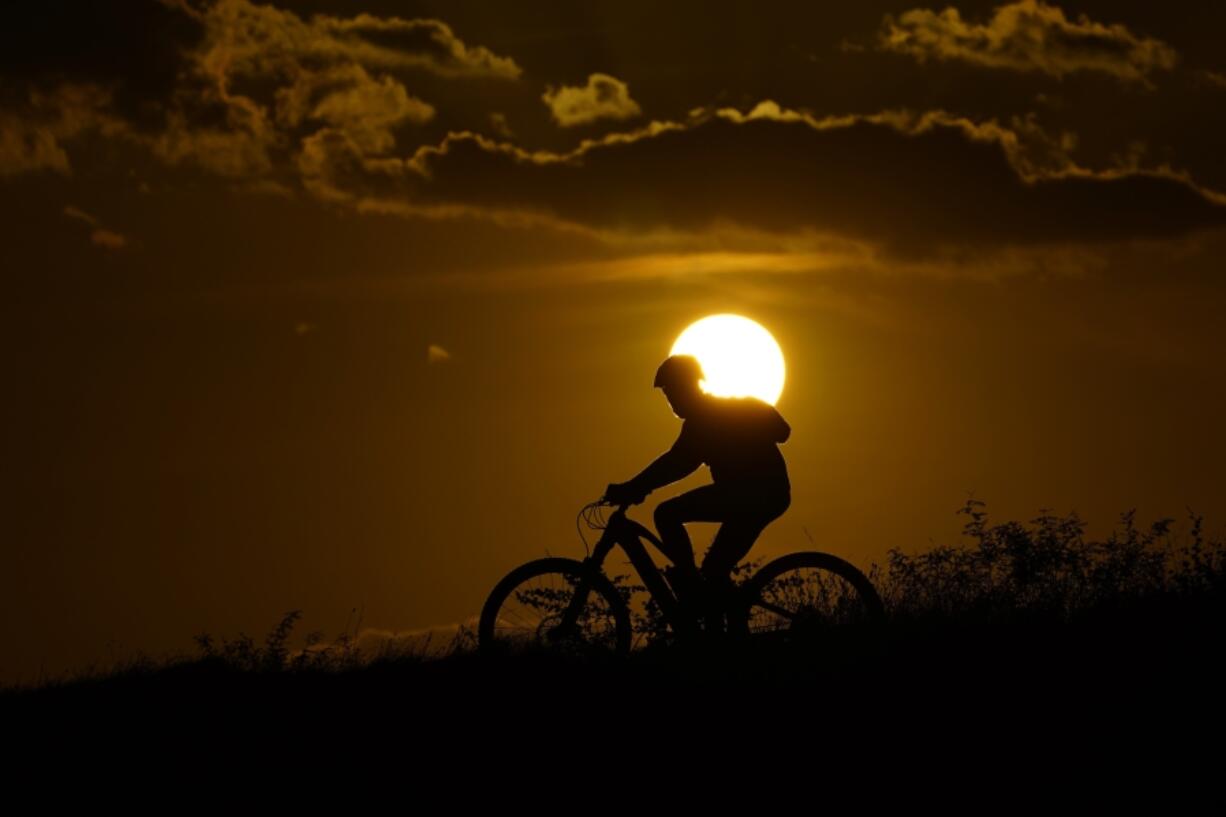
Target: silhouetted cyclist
(737, 438)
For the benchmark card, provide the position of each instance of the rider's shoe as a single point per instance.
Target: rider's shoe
(716, 600)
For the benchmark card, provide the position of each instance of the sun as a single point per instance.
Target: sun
(738, 356)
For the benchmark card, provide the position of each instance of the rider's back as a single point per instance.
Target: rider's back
(738, 437)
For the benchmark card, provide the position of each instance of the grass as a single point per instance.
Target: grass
(1009, 583)
(1028, 653)
(1049, 570)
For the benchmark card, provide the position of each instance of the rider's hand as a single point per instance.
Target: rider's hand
(623, 493)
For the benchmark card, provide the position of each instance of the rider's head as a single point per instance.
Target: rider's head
(679, 376)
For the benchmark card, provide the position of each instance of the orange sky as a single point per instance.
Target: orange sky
(990, 271)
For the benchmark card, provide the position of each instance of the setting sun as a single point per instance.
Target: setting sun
(739, 357)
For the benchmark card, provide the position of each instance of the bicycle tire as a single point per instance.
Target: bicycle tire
(776, 605)
(530, 632)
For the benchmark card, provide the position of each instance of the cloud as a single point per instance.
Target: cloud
(25, 148)
(911, 182)
(358, 112)
(348, 96)
(33, 132)
(498, 121)
(436, 354)
(1028, 35)
(99, 236)
(427, 44)
(108, 239)
(245, 39)
(236, 88)
(278, 83)
(323, 104)
(604, 97)
(1215, 78)
(757, 265)
(80, 215)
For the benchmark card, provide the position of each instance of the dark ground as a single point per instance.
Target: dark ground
(1135, 691)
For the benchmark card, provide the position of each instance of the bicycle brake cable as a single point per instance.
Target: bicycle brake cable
(580, 530)
(590, 513)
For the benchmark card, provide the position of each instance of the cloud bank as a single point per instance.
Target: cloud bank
(322, 106)
(911, 181)
(1028, 35)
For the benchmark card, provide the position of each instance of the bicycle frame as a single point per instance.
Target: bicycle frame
(852, 586)
(621, 530)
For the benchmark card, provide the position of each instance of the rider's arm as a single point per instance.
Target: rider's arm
(676, 463)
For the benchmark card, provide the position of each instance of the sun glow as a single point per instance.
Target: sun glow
(738, 356)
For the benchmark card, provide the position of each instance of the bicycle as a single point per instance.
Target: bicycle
(571, 605)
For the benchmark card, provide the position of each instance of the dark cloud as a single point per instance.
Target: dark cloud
(1028, 35)
(910, 182)
(234, 87)
(33, 135)
(427, 44)
(285, 83)
(275, 99)
(135, 51)
(245, 38)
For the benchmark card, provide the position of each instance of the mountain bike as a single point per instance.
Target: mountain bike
(572, 606)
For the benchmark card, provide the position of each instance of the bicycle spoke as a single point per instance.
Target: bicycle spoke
(805, 598)
(534, 612)
(774, 608)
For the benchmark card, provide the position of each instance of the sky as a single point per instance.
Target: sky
(350, 307)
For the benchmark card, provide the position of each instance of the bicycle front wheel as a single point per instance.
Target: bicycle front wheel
(555, 605)
(807, 593)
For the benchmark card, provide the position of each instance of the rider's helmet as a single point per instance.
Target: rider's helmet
(678, 371)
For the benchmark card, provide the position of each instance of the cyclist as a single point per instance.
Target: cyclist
(737, 437)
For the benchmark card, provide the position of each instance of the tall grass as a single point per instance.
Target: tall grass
(1010, 571)
(1050, 569)
(1013, 571)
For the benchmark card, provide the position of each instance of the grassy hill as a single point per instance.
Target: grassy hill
(1032, 637)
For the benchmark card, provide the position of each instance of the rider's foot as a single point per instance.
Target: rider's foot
(716, 600)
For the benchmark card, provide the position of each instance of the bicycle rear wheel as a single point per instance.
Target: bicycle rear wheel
(536, 607)
(806, 594)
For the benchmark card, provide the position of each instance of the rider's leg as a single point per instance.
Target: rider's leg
(704, 504)
(733, 540)
(745, 521)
